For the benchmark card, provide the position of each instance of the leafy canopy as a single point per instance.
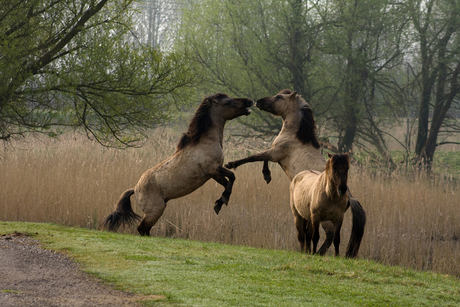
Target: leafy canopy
(77, 64)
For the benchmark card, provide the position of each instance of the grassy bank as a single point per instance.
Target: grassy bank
(180, 272)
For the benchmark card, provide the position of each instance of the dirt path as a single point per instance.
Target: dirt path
(31, 276)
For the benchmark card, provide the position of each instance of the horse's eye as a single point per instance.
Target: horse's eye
(278, 96)
(221, 96)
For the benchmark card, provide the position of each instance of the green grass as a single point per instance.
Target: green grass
(189, 273)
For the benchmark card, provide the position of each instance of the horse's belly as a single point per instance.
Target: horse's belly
(183, 186)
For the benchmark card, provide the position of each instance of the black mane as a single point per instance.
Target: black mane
(200, 123)
(307, 129)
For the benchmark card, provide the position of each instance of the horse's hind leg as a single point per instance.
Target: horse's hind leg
(228, 184)
(301, 226)
(153, 209)
(308, 235)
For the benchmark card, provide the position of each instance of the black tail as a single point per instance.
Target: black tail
(357, 230)
(123, 213)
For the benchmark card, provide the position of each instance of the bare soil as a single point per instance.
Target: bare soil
(32, 276)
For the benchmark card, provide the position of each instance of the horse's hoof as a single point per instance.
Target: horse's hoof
(321, 252)
(217, 208)
(267, 178)
(144, 233)
(230, 165)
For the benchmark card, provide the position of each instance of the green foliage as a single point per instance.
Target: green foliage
(77, 64)
(362, 65)
(341, 56)
(183, 272)
(246, 49)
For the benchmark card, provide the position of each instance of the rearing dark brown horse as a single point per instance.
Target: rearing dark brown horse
(198, 158)
(296, 149)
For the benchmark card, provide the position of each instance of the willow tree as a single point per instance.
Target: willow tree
(75, 64)
(256, 48)
(436, 69)
(365, 39)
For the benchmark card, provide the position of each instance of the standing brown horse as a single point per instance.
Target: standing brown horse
(296, 149)
(317, 197)
(198, 158)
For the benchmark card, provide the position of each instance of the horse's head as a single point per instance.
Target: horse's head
(337, 171)
(282, 104)
(213, 110)
(229, 107)
(289, 104)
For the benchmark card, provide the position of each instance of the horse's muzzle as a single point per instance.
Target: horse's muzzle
(343, 190)
(248, 104)
(259, 103)
(262, 104)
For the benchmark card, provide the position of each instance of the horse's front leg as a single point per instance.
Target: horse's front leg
(228, 184)
(327, 242)
(273, 155)
(337, 228)
(329, 228)
(315, 232)
(263, 156)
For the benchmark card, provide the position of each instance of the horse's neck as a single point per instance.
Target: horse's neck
(291, 123)
(299, 156)
(288, 130)
(216, 131)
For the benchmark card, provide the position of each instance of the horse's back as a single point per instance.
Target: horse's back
(305, 180)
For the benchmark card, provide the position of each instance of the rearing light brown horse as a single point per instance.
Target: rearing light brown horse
(198, 158)
(296, 149)
(317, 197)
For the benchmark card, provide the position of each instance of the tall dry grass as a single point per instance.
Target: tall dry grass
(412, 221)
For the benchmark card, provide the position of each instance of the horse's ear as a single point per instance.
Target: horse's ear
(329, 155)
(293, 94)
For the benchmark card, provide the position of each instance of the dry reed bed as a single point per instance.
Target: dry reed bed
(412, 222)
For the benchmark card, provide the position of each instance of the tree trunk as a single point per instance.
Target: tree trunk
(441, 107)
(426, 140)
(424, 107)
(346, 144)
(356, 77)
